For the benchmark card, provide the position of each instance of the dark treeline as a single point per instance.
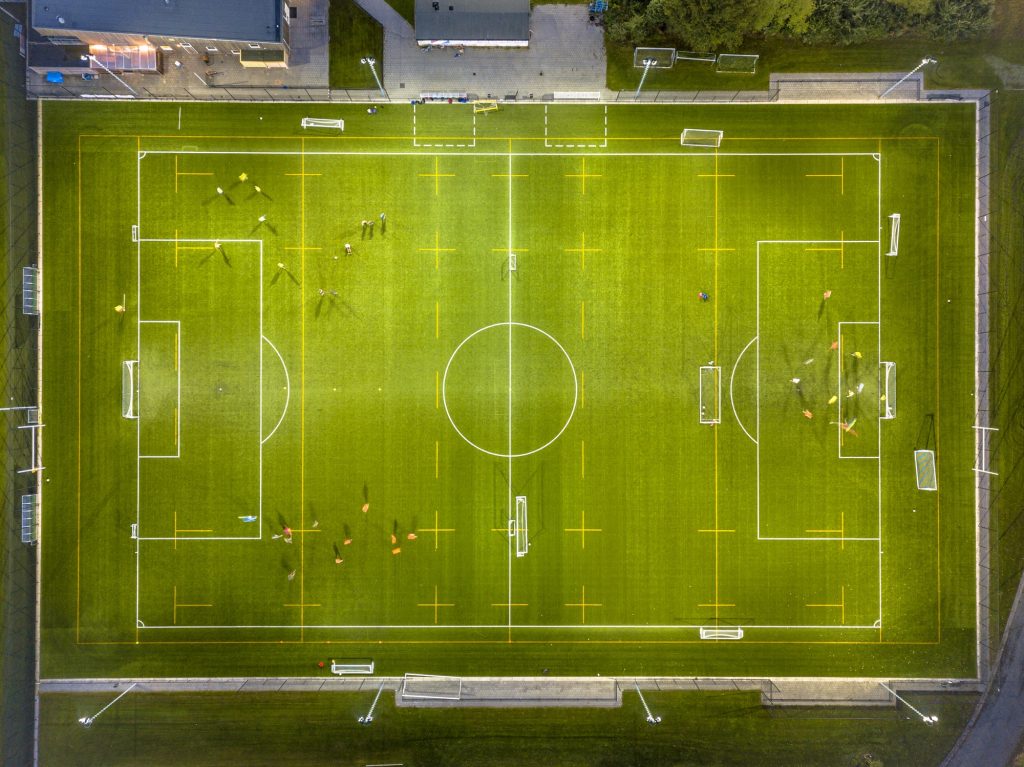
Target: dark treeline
(717, 25)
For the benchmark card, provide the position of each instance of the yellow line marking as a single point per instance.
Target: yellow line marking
(715, 345)
(714, 530)
(841, 175)
(437, 459)
(301, 605)
(716, 605)
(716, 175)
(583, 320)
(302, 389)
(583, 390)
(175, 425)
(841, 605)
(437, 176)
(583, 459)
(938, 367)
(176, 246)
(435, 604)
(437, 389)
(583, 176)
(178, 604)
(437, 250)
(583, 250)
(583, 604)
(510, 604)
(436, 529)
(175, 174)
(510, 175)
(583, 529)
(303, 174)
(716, 250)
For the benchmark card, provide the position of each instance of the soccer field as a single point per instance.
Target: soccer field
(581, 397)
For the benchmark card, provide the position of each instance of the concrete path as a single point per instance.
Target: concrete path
(991, 737)
(566, 53)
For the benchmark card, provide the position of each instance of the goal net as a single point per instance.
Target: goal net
(323, 122)
(737, 63)
(710, 394)
(662, 58)
(485, 105)
(351, 667)
(130, 389)
(888, 396)
(924, 464)
(699, 137)
(721, 632)
(894, 234)
(521, 528)
(432, 687)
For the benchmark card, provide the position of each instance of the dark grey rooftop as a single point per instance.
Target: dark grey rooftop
(242, 20)
(473, 20)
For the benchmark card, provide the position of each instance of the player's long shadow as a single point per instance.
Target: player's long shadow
(327, 301)
(926, 434)
(264, 195)
(264, 224)
(277, 276)
(348, 307)
(211, 200)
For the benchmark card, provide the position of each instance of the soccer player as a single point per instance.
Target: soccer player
(833, 399)
(808, 414)
(119, 309)
(248, 518)
(348, 249)
(826, 295)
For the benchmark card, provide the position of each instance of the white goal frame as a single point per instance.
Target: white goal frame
(323, 122)
(888, 390)
(435, 687)
(521, 527)
(701, 137)
(924, 465)
(894, 234)
(721, 632)
(749, 59)
(714, 372)
(343, 669)
(129, 387)
(658, 55)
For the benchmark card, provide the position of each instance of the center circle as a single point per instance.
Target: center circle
(509, 389)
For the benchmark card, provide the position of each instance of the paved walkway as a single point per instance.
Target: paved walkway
(566, 53)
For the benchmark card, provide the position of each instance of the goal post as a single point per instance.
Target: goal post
(485, 105)
(701, 137)
(323, 122)
(521, 527)
(710, 394)
(888, 396)
(924, 465)
(659, 58)
(352, 667)
(721, 632)
(894, 234)
(431, 687)
(130, 389)
(737, 63)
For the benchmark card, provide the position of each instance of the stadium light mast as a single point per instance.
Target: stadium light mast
(648, 63)
(372, 64)
(87, 721)
(651, 718)
(369, 714)
(907, 76)
(91, 57)
(924, 717)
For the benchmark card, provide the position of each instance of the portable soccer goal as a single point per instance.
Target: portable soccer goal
(699, 137)
(894, 234)
(661, 58)
(721, 632)
(432, 687)
(29, 290)
(29, 505)
(351, 667)
(983, 460)
(888, 396)
(130, 389)
(737, 63)
(708, 58)
(924, 464)
(521, 527)
(323, 122)
(710, 394)
(485, 105)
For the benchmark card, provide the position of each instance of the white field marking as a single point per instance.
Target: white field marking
(287, 396)
(732, 401)
(575, 379)
(402, 153)
(758, 315)
(416, 144)
(602, 145)
(509, 514)
(138, 349)
(502, 626)
(878, 159)
(839, 403)
(177, 447)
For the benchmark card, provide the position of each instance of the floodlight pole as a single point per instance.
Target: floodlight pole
(924, 717)
(648, 63)
(651, 718)
(369, 714)
(372, 63)
(907, 76)
(87, 721)
(90, 57)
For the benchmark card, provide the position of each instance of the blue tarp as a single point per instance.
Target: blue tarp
(54, 77)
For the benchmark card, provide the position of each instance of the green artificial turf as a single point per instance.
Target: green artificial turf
(354, 35)
(721, 728)
(396, 387)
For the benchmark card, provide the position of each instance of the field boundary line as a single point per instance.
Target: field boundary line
(732, 401)
(288, 394)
